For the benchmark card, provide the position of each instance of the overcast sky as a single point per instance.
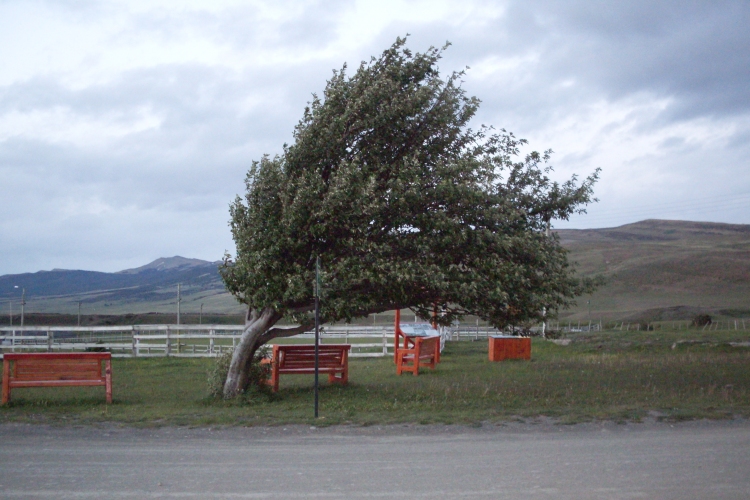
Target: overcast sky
(126, 128)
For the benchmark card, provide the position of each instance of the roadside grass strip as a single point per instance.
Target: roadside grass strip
(617, 376)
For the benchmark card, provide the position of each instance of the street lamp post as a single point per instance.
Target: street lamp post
(23, 303)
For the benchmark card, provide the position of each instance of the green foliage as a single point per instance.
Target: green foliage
(405, 205)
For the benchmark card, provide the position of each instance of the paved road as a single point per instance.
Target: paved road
(651, 460)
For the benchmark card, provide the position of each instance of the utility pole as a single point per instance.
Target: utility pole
(179, 299)
(547, 233)
(23, 303)
(79, 313)
(10, 303)
(317, 328)
(200, 318)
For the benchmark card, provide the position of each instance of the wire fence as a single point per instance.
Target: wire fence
(629, 326)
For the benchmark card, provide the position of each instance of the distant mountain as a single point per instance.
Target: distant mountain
(149, 288)
(170, 263)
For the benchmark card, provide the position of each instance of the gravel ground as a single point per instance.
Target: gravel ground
(526, 459)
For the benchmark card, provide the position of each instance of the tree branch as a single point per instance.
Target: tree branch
(285, 331)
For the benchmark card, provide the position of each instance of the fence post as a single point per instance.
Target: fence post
(50, 335)
(168, 345)
(135, 346)
(211, 341)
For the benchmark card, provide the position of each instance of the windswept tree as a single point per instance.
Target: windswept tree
(405, 205)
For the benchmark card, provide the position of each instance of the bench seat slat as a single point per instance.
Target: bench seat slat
(55, 383)
(57, 362)
(62, 375)
(30, 370)
(306, 362)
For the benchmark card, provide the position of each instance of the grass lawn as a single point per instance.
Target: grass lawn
(620, 376)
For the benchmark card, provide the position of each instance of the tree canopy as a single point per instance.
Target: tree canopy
(406, 206)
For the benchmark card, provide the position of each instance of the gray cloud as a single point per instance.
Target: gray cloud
(142, 163)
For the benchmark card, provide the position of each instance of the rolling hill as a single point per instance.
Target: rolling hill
(655, 270)
(662, 270)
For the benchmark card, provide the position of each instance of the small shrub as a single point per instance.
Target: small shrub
(553, 334)
(702, 320)
(217, 374)
(258, 373)
(97, 348)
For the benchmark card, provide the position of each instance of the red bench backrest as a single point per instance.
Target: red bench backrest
(303, 356)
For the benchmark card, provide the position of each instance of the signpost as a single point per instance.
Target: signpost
(317, 328)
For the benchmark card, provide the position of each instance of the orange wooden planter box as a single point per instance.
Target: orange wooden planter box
(507, 347)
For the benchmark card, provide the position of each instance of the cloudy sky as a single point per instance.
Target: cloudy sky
(126, 128)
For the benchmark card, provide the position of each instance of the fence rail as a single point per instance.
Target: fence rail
(196, 340)
(213, 340)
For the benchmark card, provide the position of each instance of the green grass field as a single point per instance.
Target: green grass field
(618, 376)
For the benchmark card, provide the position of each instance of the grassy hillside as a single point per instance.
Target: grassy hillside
(659, 269)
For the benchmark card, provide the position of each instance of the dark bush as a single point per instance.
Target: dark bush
(702, 320)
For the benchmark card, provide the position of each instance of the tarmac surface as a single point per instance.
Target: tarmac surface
(538, 459)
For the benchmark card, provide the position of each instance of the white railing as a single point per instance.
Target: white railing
(177, 340)
(196, 340)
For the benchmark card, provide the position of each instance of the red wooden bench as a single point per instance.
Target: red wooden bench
(402, 340)
(424, 352)
(56, 370)
(333, 359)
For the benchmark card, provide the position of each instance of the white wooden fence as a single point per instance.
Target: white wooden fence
(195, 340)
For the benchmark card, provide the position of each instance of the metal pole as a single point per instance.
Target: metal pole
(179, 299)
(317, 328)
(23, 303)
(10, 303)
(79, 313)
(200, 318)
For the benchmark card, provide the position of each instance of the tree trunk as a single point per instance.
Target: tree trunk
(259, 330)
(256, 324)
